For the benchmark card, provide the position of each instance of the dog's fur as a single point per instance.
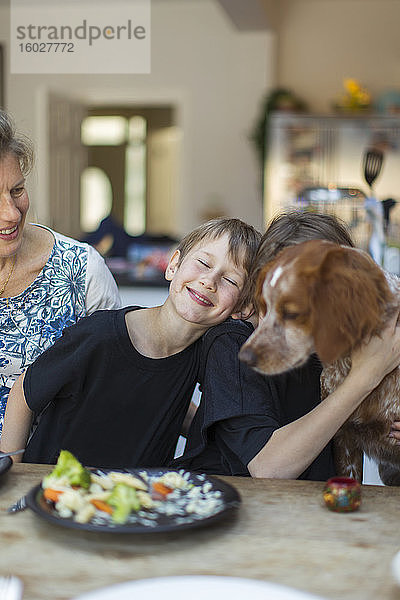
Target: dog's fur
(328, 299)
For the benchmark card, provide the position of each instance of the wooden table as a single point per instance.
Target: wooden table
(282, 533)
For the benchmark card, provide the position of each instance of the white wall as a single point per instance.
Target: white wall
(323, 41)
(215, 75)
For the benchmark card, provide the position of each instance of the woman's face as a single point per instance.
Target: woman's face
(14, 204)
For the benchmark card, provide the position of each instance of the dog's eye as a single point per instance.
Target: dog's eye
(288, 315)
(289, 311)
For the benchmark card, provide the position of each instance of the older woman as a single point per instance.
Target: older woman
(47, 281)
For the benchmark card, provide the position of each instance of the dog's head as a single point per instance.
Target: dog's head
(316, 297)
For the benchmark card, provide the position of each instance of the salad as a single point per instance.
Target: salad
(114, 498)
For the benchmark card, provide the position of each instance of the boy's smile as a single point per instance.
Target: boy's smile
(202, 300)
(206, 285)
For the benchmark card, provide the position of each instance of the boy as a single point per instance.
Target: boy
(115, 388)
(250, 424)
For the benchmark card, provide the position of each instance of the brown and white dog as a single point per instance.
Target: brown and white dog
(319, 297)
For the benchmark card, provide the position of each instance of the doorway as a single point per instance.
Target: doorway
(125, 146)
(125, 163)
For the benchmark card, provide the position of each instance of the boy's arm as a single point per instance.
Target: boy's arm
(236, 414)
(292, 448)
(17, 420)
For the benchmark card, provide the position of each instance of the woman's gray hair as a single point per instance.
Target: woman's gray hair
(15, 143)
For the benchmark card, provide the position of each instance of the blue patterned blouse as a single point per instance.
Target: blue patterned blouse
(74, 282)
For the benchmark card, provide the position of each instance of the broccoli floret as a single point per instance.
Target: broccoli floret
(124, 499)
(68, 467)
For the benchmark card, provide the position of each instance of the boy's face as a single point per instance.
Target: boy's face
(205, 288)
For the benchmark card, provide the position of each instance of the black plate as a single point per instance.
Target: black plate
(229, 500)
(5, 463)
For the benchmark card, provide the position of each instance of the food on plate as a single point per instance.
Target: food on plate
(113, 498)
(124, 500)
(68, 470)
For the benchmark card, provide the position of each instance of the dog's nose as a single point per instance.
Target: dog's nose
(248, 356)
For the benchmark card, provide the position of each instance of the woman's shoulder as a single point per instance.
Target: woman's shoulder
(37, 239)
(35, 252)
(45, 241)
(68, 242)
(95, 263)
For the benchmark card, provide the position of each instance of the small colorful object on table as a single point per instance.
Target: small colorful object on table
(342, 494)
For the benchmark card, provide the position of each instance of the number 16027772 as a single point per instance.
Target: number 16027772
(47, 47)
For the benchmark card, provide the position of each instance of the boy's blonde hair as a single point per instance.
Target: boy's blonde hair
(242, 248)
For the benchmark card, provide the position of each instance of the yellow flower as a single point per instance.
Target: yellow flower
(356, 97)
(352, 86)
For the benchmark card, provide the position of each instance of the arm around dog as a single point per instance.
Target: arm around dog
(293, 447)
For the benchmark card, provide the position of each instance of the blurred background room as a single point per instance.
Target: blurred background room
(251, 106)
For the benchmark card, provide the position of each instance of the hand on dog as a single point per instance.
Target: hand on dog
(395, 431)
(380, 355)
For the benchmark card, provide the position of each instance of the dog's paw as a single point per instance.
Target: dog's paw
(390, 474)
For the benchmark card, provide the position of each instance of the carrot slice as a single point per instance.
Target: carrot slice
(101, 505)
(162, 489)
(52, 495)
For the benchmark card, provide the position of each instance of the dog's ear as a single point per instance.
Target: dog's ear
(259, 300)
(349, 302)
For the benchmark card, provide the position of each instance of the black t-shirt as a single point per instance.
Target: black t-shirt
(104, 401)
(240, 409)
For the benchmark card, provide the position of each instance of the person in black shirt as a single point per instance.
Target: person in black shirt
(240, 409)
(115, 388)
(251, 424)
